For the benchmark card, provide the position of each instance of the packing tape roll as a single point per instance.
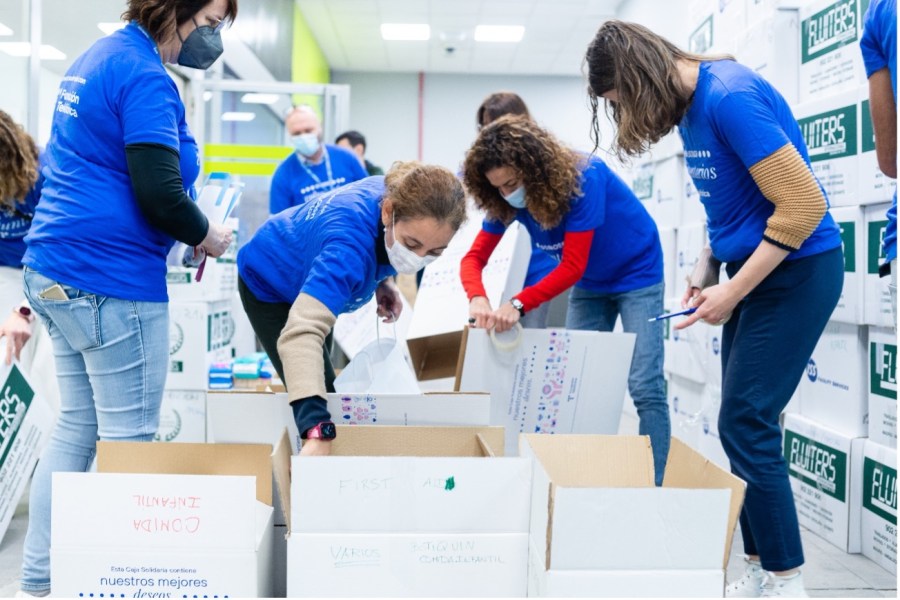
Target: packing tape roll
(508, 346)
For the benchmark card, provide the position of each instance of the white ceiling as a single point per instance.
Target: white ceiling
(557, 33)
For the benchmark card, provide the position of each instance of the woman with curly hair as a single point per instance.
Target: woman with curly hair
(768, 220)
(604, 241)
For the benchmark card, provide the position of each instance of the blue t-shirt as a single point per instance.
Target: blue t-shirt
(625, 252)
(735, 120)
(879, 50)
(88, 231)
(331, 248)
(15, 221)
(295, 182)
(539, 266)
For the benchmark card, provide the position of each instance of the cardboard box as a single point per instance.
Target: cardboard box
(685, 398)
(660, 187)
(710, 444)
(824, 467)
(879, 505)
(876, 295)
(199, 335)
(219, 279)
(689, 242)
(437, 408)
(830, 60)
(833, 392)
(849, 220)
(554, 381)
(415, 511)
(354, 331)
(25, 424)
(688, 351)
(587, 488)
(166, 519)
(771, 47)
(442, 308)
(703, 38)
(830, 129)
(182, 417)
(874, 186)
(883, 386)
(667, 241)
(692, 210)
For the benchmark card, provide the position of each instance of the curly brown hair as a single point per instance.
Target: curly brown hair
(419, 191)
(642, 67)
(161, 18)
(550, 172)
(18, 162)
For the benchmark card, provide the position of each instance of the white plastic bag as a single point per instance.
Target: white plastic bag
(379, 368)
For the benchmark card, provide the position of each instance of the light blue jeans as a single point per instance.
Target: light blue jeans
(111, 362)
(593, 311)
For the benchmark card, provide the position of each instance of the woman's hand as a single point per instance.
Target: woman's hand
(17, 330)
(714, 305)
(315, 447)
(217, 240)
(480, 311)
(690, 296)
(506, 317)
(387, 296)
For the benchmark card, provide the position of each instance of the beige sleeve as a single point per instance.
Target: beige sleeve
(786, 181)
(300, 347)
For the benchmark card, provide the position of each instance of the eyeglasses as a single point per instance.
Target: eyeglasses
(218, 24)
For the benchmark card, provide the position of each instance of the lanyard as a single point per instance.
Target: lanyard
(327, 168)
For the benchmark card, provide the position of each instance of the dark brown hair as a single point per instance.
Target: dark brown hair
(419, 191)
(161, 18)
(642, 67)
(498, 104)
(550, 172)
(18, 162)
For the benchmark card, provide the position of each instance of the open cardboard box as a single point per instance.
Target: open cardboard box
(600, 528)
(409, 512)
(167, 520)
(439, 356)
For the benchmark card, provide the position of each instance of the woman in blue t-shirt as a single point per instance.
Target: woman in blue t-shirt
(767, 219)
(120, 164)
(310, 263)
(600, 237)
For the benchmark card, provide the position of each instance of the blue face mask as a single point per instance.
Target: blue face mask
(516, 198)
(201, 48)
(306, 144)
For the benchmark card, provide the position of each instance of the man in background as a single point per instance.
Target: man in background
(314, 168)
(356, 142)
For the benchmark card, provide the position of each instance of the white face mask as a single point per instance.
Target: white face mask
(306, 144)
(402, 258)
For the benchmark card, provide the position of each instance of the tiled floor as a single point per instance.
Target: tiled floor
(829, 572)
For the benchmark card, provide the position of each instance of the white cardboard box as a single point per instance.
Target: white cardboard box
(415, 511)
(555, 381)
(824, 468)
(876, 295)
(165, 518)
(687, 351)
(849, 220)
(879, 505)
(874, 186)
(660, 187)
(182, 417)
(692, 209)
(25, 424)
(833, 392)
(689, 242)
(771, 47)
(883, 386)
(830, 127)
(667, 241)
(710, 444)
(685, 398)
(199, 334)
(218, 281)
(590, 488)
(830, 60)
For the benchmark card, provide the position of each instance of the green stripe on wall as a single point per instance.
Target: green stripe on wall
(246, 151)
(308, 64)
(240, 168)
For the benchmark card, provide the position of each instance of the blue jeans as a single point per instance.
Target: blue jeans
(594, 311)
(111, 361)
(766, 346)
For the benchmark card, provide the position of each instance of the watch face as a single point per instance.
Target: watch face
(328, 431)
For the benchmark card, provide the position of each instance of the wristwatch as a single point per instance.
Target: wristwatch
(24, 311)
(517, 304)
(323, 431)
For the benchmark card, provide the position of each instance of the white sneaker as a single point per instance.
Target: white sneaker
(748, 586)
(784, 587)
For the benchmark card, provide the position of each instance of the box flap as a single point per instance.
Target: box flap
(374, 440)
(575, 460)
(686, 468)
(281, 468)
(190, 459)
(410, 409)
(436, 356)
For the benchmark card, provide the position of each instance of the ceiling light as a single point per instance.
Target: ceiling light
(499, 33)
(108, 28)
(405, 31)
(4, 30)
(238, 116)
(23, 49)
(254, 98)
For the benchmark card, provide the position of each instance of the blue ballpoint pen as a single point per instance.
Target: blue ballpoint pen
(685, 312)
